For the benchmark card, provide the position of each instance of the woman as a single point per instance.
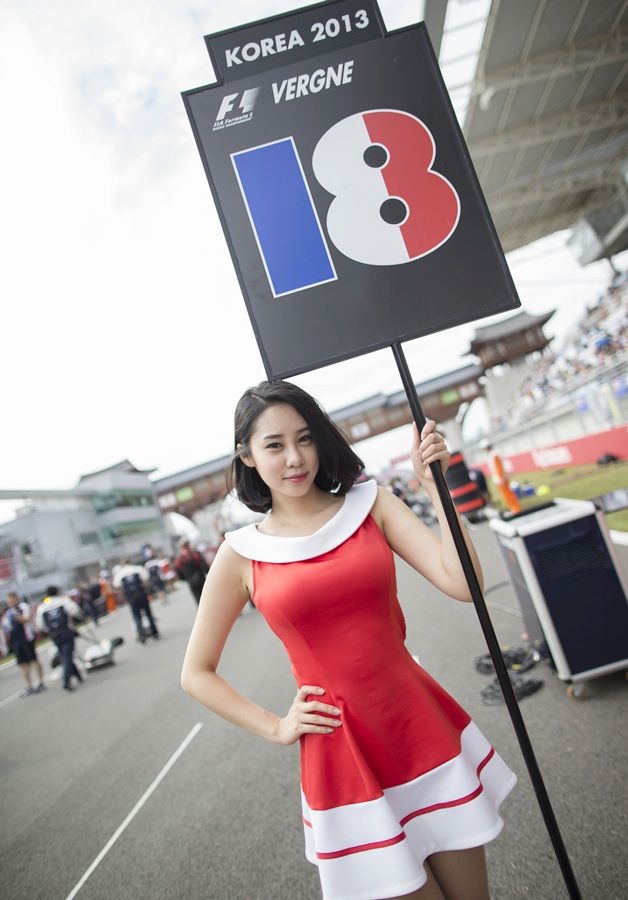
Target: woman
(400, 789)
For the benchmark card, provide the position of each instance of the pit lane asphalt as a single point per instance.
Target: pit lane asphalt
(224, 823)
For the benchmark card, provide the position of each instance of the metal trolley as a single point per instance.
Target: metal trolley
(564, 571)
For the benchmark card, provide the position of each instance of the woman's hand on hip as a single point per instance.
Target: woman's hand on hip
(428, 449)
(305, 717)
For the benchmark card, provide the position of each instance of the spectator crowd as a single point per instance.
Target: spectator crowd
(598, 342)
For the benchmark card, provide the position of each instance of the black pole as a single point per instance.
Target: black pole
(491, 639)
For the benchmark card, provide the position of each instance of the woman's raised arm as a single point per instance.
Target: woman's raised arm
(436, 558)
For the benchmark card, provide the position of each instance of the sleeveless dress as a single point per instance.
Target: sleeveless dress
(407, 773)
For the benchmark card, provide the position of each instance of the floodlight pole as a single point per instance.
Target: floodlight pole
(491, 639)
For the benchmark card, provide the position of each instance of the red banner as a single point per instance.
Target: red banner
(570, 453)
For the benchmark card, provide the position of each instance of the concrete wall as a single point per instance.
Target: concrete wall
(49, 530)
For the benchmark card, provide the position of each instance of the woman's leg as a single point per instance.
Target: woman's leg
(461, 874)
(429, 891)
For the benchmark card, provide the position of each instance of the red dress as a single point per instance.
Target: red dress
(407, 773)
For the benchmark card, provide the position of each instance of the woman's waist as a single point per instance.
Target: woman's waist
(356, 672)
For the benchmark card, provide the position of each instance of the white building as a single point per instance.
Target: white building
(62, 537)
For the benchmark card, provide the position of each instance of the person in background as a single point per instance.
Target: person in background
(107, 591)
(477, 475)
(168, 574)
(32, 607)
(212, 550)
(397, 488)
(4, 645)
(86, 601)
(17, 625)
(499, 479)
(156, 584)
(95, 594)
(191, 567)
(55, 616)
(133, 580)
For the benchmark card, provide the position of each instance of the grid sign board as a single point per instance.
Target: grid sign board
(344, 186)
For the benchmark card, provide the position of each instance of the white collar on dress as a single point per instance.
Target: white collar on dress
(253, 544)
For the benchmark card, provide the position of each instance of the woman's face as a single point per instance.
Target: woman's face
(282, 451)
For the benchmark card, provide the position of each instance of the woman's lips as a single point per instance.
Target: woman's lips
(297, 479)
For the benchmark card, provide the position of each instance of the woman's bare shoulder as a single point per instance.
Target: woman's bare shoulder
(385, 503)
(230, 565)
(390, 512)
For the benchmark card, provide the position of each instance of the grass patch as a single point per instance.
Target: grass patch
(576, 483)
(618, 521)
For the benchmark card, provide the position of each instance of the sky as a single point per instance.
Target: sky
(125, 334)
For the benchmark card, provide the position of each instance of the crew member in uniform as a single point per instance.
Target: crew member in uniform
(18, 627)
(500, 480)
(133, 580)
(55, 616)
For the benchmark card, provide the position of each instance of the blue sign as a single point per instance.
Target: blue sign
(286, 225)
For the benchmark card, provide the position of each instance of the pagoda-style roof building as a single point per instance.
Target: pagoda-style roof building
(510, 339)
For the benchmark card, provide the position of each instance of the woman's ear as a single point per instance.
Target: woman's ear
(246, 458)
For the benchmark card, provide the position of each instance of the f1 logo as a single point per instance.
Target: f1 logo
(246, 104)
(389, 206)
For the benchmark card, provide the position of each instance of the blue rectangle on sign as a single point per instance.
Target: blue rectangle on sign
(282, 213)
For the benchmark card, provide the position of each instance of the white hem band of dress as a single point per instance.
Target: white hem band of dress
(254, 544)
(453, 807)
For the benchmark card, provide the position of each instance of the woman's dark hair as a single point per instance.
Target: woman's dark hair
(339, 466)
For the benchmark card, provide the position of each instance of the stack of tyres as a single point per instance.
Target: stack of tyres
(463, 490)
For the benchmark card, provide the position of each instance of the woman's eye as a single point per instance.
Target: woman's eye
(272, 446)
(306, 438)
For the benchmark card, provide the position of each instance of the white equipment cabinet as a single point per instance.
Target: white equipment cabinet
(564, 571)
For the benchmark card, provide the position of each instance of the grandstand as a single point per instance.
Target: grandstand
(588, 370)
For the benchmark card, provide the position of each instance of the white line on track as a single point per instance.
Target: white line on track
(9, 699)
(17, 694)
(140, 803)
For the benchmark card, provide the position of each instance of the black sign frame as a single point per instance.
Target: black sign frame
(279, 363)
